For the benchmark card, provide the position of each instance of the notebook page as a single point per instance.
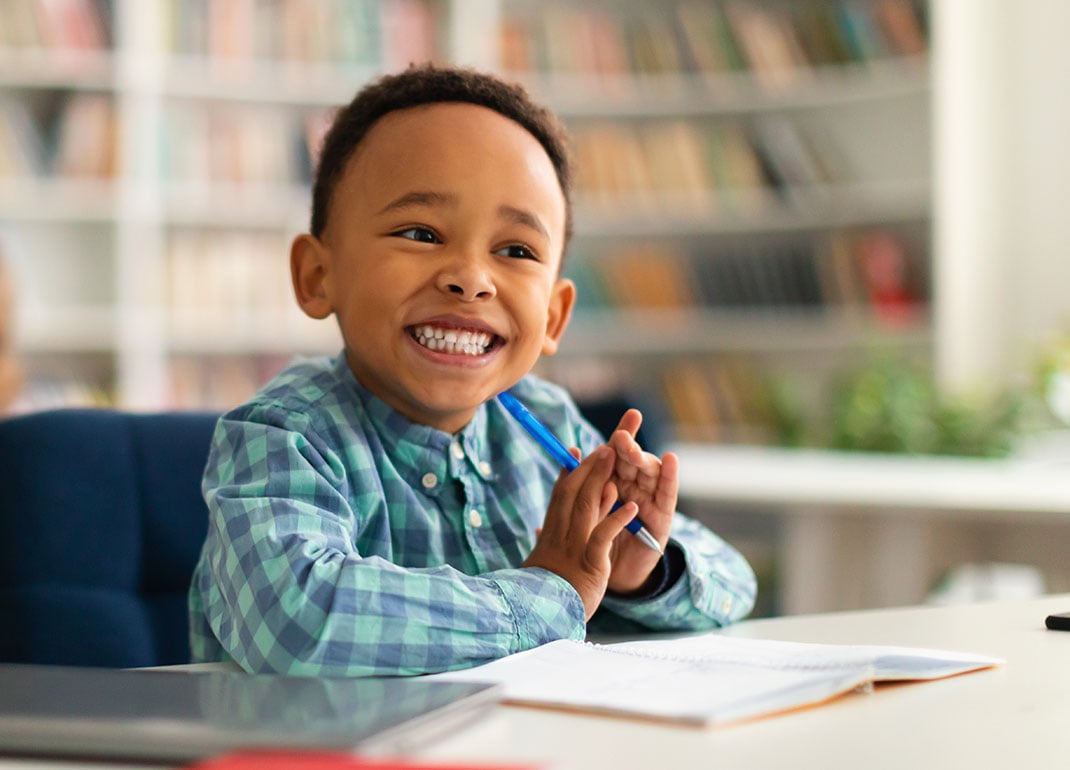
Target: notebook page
(888, 662)
(706, 679)
(599, 678)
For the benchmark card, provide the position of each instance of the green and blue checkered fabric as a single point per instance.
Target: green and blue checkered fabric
(344, 540)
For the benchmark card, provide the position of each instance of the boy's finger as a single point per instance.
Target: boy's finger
(668, 481)
(587, 506)
(630, 422)
(603, 535)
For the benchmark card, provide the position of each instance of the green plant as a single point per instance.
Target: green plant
(889, 404)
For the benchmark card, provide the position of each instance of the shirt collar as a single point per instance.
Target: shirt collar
(417, 449)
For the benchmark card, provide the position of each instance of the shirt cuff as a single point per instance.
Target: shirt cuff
(543, 605)
(667, 571)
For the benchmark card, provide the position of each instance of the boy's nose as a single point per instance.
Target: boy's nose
(468, 279)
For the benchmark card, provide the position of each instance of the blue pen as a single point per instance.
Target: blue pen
(559, 452)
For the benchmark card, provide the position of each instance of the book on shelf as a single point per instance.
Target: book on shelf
(409, 32)
(790, 159)
(708, 40)
(87, 137)
(22, 151)
(901, 25)
(869, 272)
(219, 382)
(737, 170)
(583, 270)
(861, 32)
(778, 44)
(759, 277)
(885, 268)
(679, 169)
(820, 36)
(717, 400)
(767, 39)
(612, 167)
(677, 166)
(229, 280)
(691, 403)
(368, 34)
(649, 276)
(258, 144)
(82, 141)
(58, 27)
(654, 46)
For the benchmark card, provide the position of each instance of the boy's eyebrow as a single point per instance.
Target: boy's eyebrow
(522, 217)
(419, 198)
(431, 198)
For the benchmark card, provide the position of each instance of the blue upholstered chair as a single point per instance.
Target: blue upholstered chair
(101, 522)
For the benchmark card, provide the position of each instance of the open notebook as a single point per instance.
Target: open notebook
(706, 679)
(179, 716)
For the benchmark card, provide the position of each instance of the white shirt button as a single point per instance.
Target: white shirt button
(457, 450)
(726, 606)
(484, 468)
(474, 518)
(429, 480)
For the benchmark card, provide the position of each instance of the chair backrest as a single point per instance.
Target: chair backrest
(101, 523)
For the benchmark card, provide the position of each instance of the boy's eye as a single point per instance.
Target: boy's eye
(517, 251)
(420, 234)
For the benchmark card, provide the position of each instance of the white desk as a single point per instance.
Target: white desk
(864, 530)
(1016, 715)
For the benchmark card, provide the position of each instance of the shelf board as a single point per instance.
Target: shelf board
(45, 199)
(812, 208)
(735, 93)
(268, 82)
(684, 330)
(57, 69)
(281, 332)
(66, 330)
(237, 205)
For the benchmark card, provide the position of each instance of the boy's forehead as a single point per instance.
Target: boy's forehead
(443, 119)
(451, 139)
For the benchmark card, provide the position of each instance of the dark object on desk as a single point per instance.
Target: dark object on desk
(1058, 622)
(181, 716)
(101, 523)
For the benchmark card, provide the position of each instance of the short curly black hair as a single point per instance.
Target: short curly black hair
(429, 84)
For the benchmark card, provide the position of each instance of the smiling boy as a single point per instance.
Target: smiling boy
(380, 513)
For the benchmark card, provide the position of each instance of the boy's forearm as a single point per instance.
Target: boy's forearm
(347, 616)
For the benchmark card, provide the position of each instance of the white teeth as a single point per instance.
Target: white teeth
(452, 340)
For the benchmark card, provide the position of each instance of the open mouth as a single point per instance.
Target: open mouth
(467, 342)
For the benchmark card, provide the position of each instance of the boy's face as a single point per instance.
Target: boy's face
(440, 260)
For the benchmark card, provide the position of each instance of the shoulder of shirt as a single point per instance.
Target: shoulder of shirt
(304, 393)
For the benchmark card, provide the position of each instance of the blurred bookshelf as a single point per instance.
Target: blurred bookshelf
(155, 162)
(753, 196)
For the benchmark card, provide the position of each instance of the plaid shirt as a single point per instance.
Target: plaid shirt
(344, 540)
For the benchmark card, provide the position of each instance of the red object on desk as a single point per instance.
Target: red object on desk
(327, 760)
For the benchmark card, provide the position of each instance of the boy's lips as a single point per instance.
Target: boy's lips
(455, 337)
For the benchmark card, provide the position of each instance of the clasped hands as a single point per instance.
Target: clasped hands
(583, 541)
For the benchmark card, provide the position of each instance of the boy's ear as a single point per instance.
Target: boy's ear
(309, 271)
(562, 298)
